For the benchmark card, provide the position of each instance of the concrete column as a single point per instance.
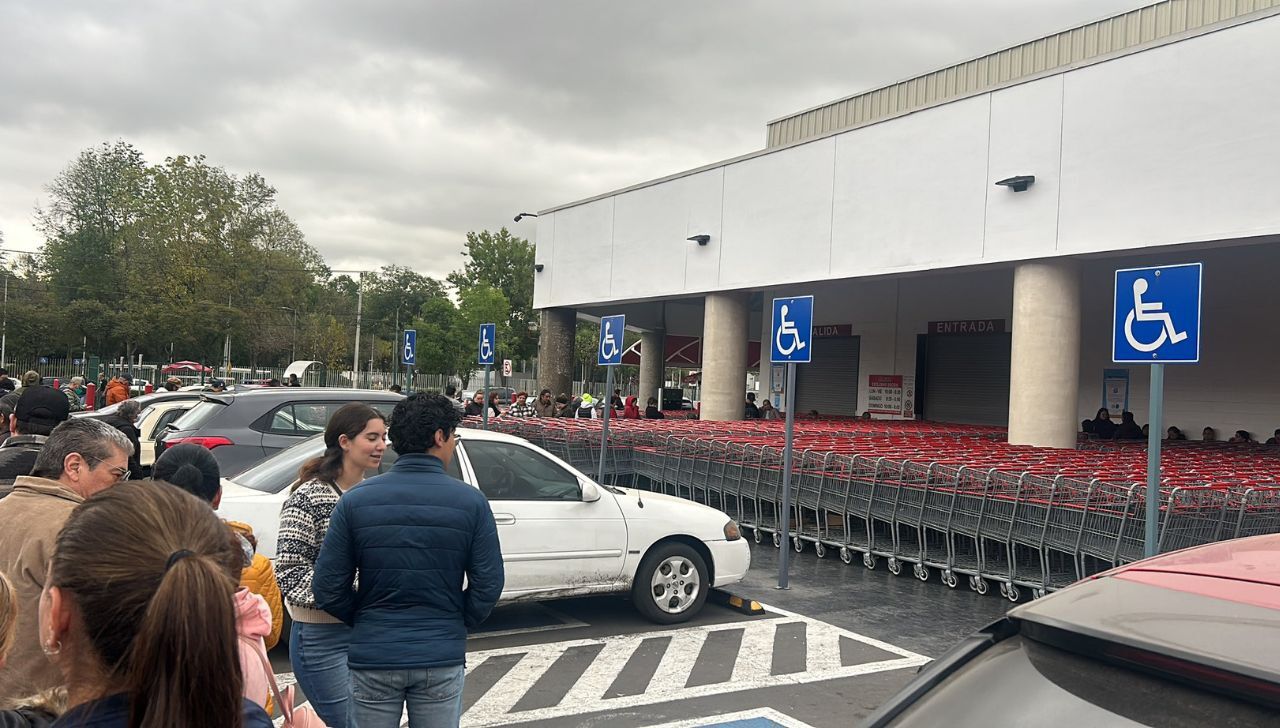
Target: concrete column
(724, 356)
(556, 334)
(652, 365)
(1044, 377)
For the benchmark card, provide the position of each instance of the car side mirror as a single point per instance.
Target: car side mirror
(590, 491)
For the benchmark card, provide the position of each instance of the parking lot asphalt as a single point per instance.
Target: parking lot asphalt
(824, 652)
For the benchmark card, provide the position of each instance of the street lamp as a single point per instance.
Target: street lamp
(294, 353)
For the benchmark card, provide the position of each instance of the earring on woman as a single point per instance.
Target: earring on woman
(51, 651)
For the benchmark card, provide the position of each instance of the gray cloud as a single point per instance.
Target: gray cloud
(392, 128)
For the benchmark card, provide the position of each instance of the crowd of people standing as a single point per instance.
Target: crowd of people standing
(128, 602)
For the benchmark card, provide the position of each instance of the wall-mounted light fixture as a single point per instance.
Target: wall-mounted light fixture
(537, 267)
(524, 215)
(700, 239)
(1020, 183)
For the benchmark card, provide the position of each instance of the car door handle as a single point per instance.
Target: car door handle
(504, 519)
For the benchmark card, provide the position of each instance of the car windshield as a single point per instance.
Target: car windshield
(198, 415)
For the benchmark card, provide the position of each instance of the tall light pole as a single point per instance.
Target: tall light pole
(293, 356)
(4, 329)
(355, 363)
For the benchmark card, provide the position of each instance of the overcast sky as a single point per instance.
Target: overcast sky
(390, 129)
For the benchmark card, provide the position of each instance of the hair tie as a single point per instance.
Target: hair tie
(175, 557)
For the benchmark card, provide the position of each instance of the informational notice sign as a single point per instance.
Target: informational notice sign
(891, 394)
(1115, 390)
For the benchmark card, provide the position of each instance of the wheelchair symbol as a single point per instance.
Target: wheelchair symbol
(1150, 311)
(608, 345)
(486, 349)
(787, 328)
(408, 350)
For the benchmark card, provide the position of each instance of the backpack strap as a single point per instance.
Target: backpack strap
(286, 706)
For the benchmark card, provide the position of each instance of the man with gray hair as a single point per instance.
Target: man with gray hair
(81, 457)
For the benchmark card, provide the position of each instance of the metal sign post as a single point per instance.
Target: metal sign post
(488, 336)
(791, 343)
(609, 355)
(1157, 322)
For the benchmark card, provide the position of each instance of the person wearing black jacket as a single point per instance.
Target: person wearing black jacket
(1103, 427)
(39, 409)
(651, 412)
(1128, 429)
(123, 420)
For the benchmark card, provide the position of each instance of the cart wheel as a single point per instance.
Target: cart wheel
(869, 561)
(1037, 594)
(922, 572)
(819, 549)
(846, 554)
(980, 585)
(1004, 589)
(777, 540)
(949, 578)
(895, 567)
(1012, 593)
(755, 534)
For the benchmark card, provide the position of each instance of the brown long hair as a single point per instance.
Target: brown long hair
(145, 564)
(349, 420)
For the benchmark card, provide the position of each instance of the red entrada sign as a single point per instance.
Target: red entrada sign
(969, 327)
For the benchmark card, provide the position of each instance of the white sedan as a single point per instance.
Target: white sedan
(562, 534)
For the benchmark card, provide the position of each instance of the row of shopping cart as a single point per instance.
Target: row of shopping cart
(960, 504)
(1020, 528)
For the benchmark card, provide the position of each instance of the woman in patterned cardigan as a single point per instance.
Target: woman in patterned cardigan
(354, 439)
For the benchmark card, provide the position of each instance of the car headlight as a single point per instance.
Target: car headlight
(731, 532)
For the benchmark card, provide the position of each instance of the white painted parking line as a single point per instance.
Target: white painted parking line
(748, 645)
(752, 666)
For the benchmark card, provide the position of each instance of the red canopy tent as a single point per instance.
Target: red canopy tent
(186, 367)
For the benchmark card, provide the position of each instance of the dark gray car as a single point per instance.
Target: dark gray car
(242, 429)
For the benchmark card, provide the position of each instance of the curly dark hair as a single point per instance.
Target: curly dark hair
(417, 418)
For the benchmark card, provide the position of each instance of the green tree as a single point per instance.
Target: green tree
(504, 262)
(482, 304)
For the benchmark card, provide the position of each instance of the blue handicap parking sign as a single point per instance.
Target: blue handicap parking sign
(609, 353)
(409, 348)
(1157, 315)
(488, 340)
(792, 338)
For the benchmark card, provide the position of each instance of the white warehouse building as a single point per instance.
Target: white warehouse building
(1153, 138)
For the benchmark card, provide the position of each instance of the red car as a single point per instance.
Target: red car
(1189, 638)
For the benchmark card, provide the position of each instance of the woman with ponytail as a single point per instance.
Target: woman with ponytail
(137, 614)
(354, 439)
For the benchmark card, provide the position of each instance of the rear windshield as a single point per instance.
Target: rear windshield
(280, 470)
(1029, 683)
(195, 417)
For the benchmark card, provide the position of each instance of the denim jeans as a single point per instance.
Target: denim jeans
(433, 696)
(319, 656)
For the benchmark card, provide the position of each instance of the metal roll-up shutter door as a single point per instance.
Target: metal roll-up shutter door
(829, 383)
(968, 379)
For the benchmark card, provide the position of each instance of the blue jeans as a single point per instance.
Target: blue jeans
(433, 695)
(319, 656)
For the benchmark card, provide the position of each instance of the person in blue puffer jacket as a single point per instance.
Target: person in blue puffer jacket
(412, 534)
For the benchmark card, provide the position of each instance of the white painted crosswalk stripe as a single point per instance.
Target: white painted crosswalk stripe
(596, 690)
(752, 669)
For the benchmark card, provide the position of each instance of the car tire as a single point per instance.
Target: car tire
(671, 567)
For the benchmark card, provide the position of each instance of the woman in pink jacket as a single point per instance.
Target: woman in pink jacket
(253, 624)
